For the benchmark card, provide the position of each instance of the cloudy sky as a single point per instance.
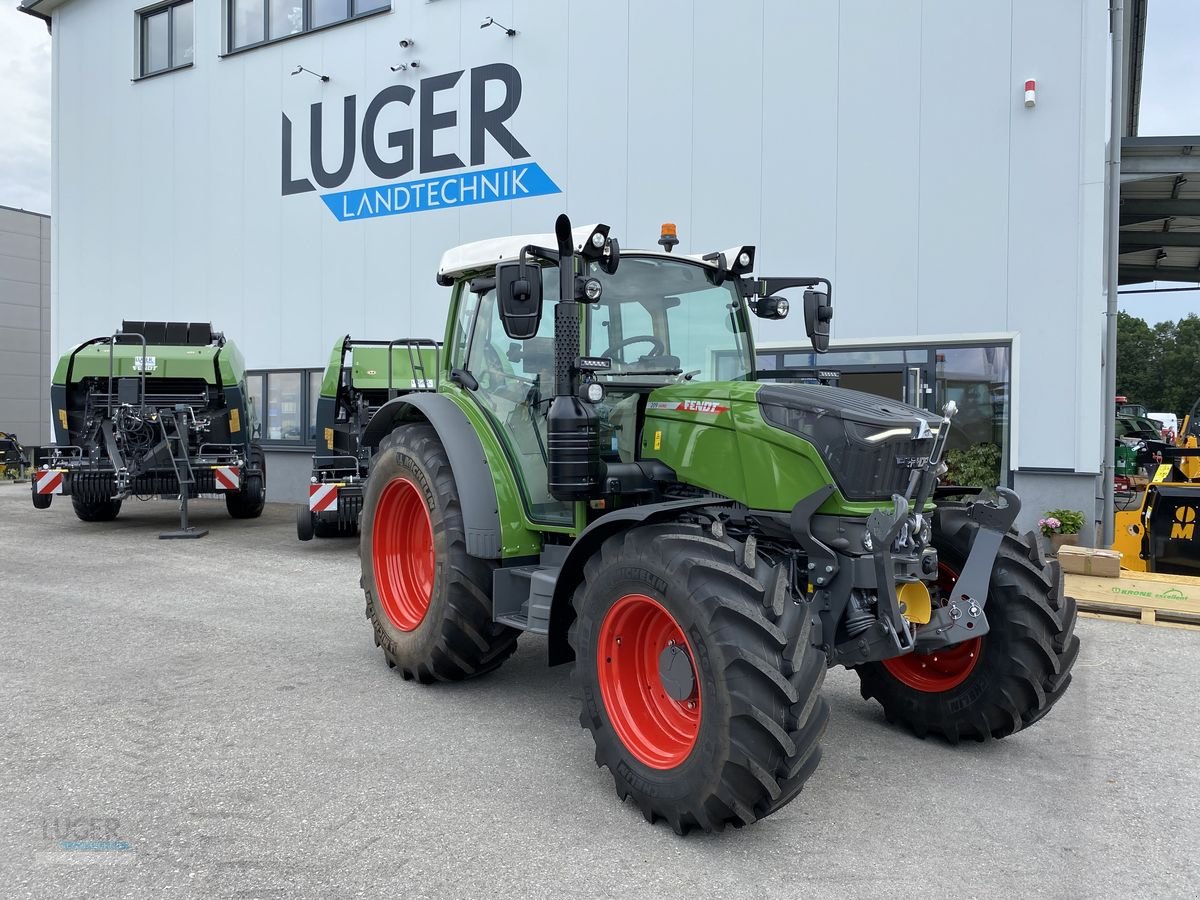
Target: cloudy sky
(1170, 88)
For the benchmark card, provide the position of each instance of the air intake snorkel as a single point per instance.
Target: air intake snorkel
(572, 432)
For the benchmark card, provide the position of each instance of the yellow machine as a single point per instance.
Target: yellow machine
(1189, 439)
(1161, 534)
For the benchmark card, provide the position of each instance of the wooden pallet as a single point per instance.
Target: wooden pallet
(1172, 601)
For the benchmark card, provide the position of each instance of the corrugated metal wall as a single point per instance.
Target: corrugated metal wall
(25, 325)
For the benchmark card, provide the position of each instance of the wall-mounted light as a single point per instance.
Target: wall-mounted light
(406, 44)
(1031, 93)
(300, 69)
(511, 32)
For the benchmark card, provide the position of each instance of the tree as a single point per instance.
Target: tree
(1159, 366)
(1139, 349)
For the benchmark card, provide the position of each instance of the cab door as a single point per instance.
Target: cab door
(515, 386)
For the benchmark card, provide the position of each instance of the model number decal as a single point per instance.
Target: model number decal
(705, 407)
(144, 364)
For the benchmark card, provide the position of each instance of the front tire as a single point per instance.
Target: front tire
(428, 600)
(995, 685)
(701, 685)
(95, 510)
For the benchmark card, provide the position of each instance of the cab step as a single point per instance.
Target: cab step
(522, 595)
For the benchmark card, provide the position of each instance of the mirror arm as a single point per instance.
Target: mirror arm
(761, 287)
(537, 253)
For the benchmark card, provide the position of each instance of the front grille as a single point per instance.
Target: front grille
(867, 442)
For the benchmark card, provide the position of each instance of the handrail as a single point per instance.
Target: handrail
(413, 345)
(112, 343)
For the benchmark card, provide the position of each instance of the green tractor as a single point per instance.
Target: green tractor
(360, 378)
(158, 409)
(702, 545)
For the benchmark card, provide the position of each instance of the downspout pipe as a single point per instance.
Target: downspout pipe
(1113, 183)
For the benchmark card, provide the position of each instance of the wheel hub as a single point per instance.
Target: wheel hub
(675, 672)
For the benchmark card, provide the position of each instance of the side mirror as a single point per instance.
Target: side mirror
(519, 291)
(818, 312)
(612, 257)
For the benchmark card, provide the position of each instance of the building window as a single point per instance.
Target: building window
(283, 405)
(252, 22)
(165, 38)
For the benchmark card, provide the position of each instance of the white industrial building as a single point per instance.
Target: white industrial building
(291, 170)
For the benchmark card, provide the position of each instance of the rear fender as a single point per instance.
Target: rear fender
(494, 529)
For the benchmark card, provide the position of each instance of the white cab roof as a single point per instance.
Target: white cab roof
(479, 255)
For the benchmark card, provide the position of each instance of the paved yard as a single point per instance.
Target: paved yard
(216, 714)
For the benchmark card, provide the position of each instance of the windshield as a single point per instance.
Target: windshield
(662, 321)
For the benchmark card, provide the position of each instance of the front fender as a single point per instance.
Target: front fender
(570, 575)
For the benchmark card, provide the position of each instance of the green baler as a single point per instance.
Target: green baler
(360, 378)
(158, 409)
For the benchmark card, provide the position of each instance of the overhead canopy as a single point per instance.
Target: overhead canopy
(1160, 209)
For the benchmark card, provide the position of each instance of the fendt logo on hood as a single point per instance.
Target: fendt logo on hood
(408, 149)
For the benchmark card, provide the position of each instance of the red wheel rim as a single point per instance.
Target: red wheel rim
(402, 554)
(942, 670)
(657, 729)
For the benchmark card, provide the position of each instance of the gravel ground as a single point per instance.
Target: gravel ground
(214, 717)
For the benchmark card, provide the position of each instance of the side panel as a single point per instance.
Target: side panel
(231, 365)
(369, 367)
(333, 368)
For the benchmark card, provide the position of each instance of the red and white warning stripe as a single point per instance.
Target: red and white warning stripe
(49, 481)
(227, 478)
(322, 497)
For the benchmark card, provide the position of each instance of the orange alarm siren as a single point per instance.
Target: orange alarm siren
(668, 238)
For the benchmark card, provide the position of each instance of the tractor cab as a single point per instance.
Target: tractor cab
(568, 388)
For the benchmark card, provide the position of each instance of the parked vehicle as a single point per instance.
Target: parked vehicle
(1168, 424)
(158, 409)
(610, 474)
(360, 378)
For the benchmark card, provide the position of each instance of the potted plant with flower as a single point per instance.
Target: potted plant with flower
(1061, 526)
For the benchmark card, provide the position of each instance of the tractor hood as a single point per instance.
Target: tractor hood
(870, 444)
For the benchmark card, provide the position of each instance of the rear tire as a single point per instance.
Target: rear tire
(428, 600)
(738, 738)
(41, 501)
(95, 510)
(248, 503)
(1022, 665)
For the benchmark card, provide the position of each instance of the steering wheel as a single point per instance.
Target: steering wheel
(657, 350)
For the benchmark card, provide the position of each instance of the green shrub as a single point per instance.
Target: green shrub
(977, 466)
